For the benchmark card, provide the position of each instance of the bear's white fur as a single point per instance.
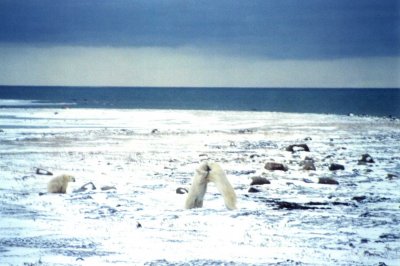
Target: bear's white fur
(59, 184)
(210, 172)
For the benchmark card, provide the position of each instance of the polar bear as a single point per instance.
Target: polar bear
(210, 172)
(59, 184)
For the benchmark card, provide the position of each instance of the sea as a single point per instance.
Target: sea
(373, 102)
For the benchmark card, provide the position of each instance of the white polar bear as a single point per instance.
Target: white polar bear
(210, 172)
(59, 184)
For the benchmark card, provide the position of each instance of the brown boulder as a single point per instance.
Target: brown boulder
(336, 166)
(308, 165)
(295, 147)
(259, 181)
(272, 166)
(327, 181)
(366, 158)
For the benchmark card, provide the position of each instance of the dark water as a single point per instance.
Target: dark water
(380, 102)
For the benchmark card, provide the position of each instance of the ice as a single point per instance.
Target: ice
(147, 154)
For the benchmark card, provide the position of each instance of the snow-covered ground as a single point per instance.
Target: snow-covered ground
(147, 154)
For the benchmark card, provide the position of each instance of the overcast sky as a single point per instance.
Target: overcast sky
(280, 43)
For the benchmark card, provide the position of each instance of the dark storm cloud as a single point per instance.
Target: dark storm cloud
(281, 29)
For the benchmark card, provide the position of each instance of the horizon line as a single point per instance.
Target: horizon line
(194, 87)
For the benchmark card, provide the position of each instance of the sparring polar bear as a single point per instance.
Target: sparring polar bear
(210, 172)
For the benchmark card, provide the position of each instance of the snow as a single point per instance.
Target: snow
(121, 148)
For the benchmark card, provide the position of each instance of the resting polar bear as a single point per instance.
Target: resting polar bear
(210, 172)
(59, 184)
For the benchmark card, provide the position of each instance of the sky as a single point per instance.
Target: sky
(225, 43)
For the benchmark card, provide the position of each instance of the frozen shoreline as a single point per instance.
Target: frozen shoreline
(147, 154)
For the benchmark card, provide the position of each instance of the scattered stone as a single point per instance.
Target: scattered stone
(366, 158)
(138, 225)
(307, 138)
(243, 172)
(84, 187)
(259, 181)
(335, 167)
(293, 206)
(253, 190)
(309, 159)
(390, 236)
(366, 214)
(155, 131)
(40, 171)
(335, 203)
(245, 131)
(254, 155)
(391, 176)
(308, 205)
(181, 190)
(297, 147)
(272, 166)
(306, 180)
(308, 165)
(359, 198)
(327, 181)
(105, 188)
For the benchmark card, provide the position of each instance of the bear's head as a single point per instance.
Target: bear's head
(69, 178)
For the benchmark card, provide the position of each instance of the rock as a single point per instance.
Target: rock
(155, 131)
(327, 181)
(84, 187)
(105, 188)
(181, 190)
(309, 159)
(308, 165)
(391, 176)
(306, 180)
(253, 190)
(259, 181)
(307, 138)
(40, 171)
(243, 172)
(390, 236)
(297, 147)
(245, 131)
(359, 198)
(336, 166)
(293, 206)
(366, 158)
(272, 166)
